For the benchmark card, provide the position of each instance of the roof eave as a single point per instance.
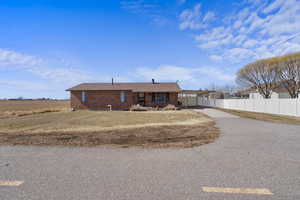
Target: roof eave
(71, 90)
(157, 91)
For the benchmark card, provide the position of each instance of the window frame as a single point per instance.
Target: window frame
(160, 97)
(83, 96)
(123, 96)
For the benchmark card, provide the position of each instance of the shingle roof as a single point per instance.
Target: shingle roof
(135, 87)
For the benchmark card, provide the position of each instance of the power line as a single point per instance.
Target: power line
(290, 38)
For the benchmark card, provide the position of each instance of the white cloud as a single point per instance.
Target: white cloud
(216, 33)
(259, 4)
(259, 30)
(10, 59)
(238, 23)
(166, 72)
(63, 75)
(149, 9)
(215, 73)
(250, 43)
(24, 85)
(255, 23)
(285, 21)
(210, 44)
(189, 77)
(216, 57)
(193, 19)
(243, 14)
(286, 47)
(263, 52)
(239, 39)
(13, 58)
(137, 6)
(209, 16)
(273, 6)
(190, 18)
(237, 54)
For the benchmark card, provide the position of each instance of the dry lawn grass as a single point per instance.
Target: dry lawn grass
(90, 128)
(265, 117)
(147, 136)
(27, 107)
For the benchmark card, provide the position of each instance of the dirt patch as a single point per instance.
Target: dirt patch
(265, 117)
(148, 136)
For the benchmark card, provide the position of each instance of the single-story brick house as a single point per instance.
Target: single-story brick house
(121, 96)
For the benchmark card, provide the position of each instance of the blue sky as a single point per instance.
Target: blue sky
(47, 46)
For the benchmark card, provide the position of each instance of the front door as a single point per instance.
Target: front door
(141, 98)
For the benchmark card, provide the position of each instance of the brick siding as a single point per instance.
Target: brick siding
(98, 100)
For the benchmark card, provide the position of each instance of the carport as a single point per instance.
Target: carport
(189, 98)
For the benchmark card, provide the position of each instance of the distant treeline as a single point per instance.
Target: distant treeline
(37, 99)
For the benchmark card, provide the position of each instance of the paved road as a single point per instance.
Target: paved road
(249, 154)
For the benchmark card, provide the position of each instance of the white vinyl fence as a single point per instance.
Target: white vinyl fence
(272, 106)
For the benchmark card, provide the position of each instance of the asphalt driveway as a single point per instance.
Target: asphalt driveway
(248, 154)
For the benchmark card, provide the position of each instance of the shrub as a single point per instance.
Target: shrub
(170, 107)
(139, 108)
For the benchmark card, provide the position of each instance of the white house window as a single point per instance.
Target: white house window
(83, 96)
(123, 96)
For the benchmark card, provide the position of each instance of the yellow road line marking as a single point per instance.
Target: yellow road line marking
(11, 183)
(258, 191)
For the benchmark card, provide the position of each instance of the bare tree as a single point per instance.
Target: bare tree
(260, 75)
(289, 73)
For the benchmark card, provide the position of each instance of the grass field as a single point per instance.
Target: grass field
(265, 117)
(21, 108)
(182, 128)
